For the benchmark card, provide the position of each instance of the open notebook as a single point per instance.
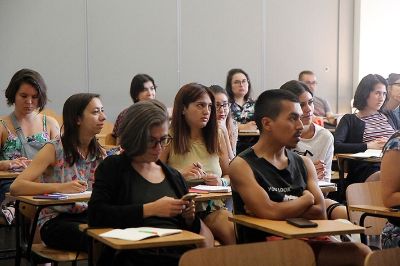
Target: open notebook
(213, 188)
(139, 233)
(369, 153)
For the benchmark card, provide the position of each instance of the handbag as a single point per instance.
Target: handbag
(29, 149)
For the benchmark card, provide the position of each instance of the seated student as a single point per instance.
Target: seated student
(238, 87)
(136, 189)
(390, 177)
(315, 142)
(198, 152)
(272, 182)
(142, 88)
(369, 128)
(393, 95)
(27, 91)
(226, 123)
(66, 165)
(321, 106)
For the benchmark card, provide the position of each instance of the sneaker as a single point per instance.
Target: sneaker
(8, 213)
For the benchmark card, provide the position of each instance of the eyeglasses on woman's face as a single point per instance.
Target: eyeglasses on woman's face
(240, 82)
(163, 141)
(224, 105)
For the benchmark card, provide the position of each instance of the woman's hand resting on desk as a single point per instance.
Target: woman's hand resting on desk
(320, 167)
(377, 144)
(75, 186)
(189, 213)
(19, 163)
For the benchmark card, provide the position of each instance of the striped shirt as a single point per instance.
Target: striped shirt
(376, 126)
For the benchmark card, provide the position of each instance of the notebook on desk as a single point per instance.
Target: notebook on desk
(213, 188)
(140, 233)
(369, 153)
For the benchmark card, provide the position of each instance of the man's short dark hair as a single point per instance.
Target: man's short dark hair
(269, 104)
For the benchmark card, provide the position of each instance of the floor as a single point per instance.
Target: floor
(7, 241)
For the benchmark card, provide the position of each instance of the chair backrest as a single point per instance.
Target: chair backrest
(389, 256)
(52, 113)
(368, 193)
(280, 252)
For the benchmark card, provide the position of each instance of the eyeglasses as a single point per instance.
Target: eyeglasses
(225, 106)
(311, 82)
(203, 105)
(239, 82)
(396, 84)
(163, 141)
(149, 89)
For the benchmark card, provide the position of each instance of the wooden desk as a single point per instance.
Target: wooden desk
(184, 238)
(374, 211)
(283, 229)
(4, 175)
(213, 196)
(342, 159)
(249, 133)
(327, 189)
(25, 248)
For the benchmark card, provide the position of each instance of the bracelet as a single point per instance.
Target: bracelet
(224, 182)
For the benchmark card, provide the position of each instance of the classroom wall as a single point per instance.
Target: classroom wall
(99, 45)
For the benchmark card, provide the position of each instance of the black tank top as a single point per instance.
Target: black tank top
(280, 185)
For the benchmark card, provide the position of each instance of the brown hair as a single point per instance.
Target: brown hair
(189, 93)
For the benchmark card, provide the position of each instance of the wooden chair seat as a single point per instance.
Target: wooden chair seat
(389, 256)
(57, 254)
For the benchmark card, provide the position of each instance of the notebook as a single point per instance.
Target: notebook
(213, 188)
(370, 153)
(322, 183)
(140, 233)
(61, 196)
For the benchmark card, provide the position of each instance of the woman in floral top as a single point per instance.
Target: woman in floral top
(390, 178)
(66, 165)
(238, 87)
(27, 92)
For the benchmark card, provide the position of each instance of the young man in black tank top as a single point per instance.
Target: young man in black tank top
(271, 182)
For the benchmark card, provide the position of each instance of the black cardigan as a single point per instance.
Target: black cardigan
(110, 206)
(349, 133)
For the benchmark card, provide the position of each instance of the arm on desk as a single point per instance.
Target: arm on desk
(27, 183)
(256, 198)
(390, 178)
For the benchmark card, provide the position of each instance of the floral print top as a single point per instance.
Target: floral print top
(243, 114)
(12, 147)
(62, 172)
(393, 143)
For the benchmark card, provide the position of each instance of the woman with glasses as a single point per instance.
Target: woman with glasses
(199, 153)
(238, 87)
(66, 165)
(142, 88)
(226, 124)
(369, 128)
(136, 189)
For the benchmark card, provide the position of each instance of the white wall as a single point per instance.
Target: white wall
(99, 45)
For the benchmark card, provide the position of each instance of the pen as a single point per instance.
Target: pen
(149, 232)
(199, 167)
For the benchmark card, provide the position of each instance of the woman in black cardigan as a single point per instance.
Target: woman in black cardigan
(369, 128)
(136, 189)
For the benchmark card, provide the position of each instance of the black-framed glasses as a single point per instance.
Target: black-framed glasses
(224, 105)
(163, 141)
(239, 82)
